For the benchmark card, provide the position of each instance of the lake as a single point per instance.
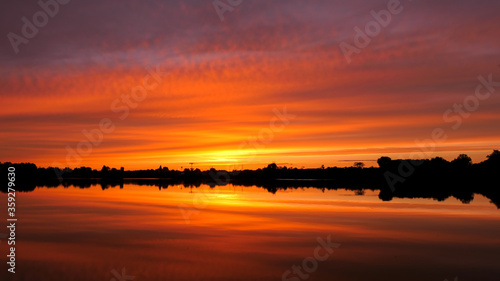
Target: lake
(143, 232)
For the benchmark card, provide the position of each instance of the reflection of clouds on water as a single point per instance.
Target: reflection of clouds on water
(247, 233)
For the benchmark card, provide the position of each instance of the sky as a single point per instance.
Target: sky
(246, 85)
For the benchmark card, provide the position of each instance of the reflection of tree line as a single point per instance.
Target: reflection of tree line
(435, 178)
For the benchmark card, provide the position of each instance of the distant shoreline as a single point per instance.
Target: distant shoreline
(431, 178)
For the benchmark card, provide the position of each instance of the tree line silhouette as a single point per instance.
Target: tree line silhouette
(428, 178)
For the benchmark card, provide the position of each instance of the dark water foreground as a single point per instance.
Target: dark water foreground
(160, 230)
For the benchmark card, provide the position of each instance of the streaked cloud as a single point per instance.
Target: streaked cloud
(225, 79)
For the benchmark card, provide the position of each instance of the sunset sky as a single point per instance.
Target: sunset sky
(227, 79)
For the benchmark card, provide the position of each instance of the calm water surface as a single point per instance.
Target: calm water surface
(247, 233)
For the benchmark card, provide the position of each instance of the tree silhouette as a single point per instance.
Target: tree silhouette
(359, 165)
(272, 166)
(493, 159)
(439, 162)
(463, 160)
(384, 162)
